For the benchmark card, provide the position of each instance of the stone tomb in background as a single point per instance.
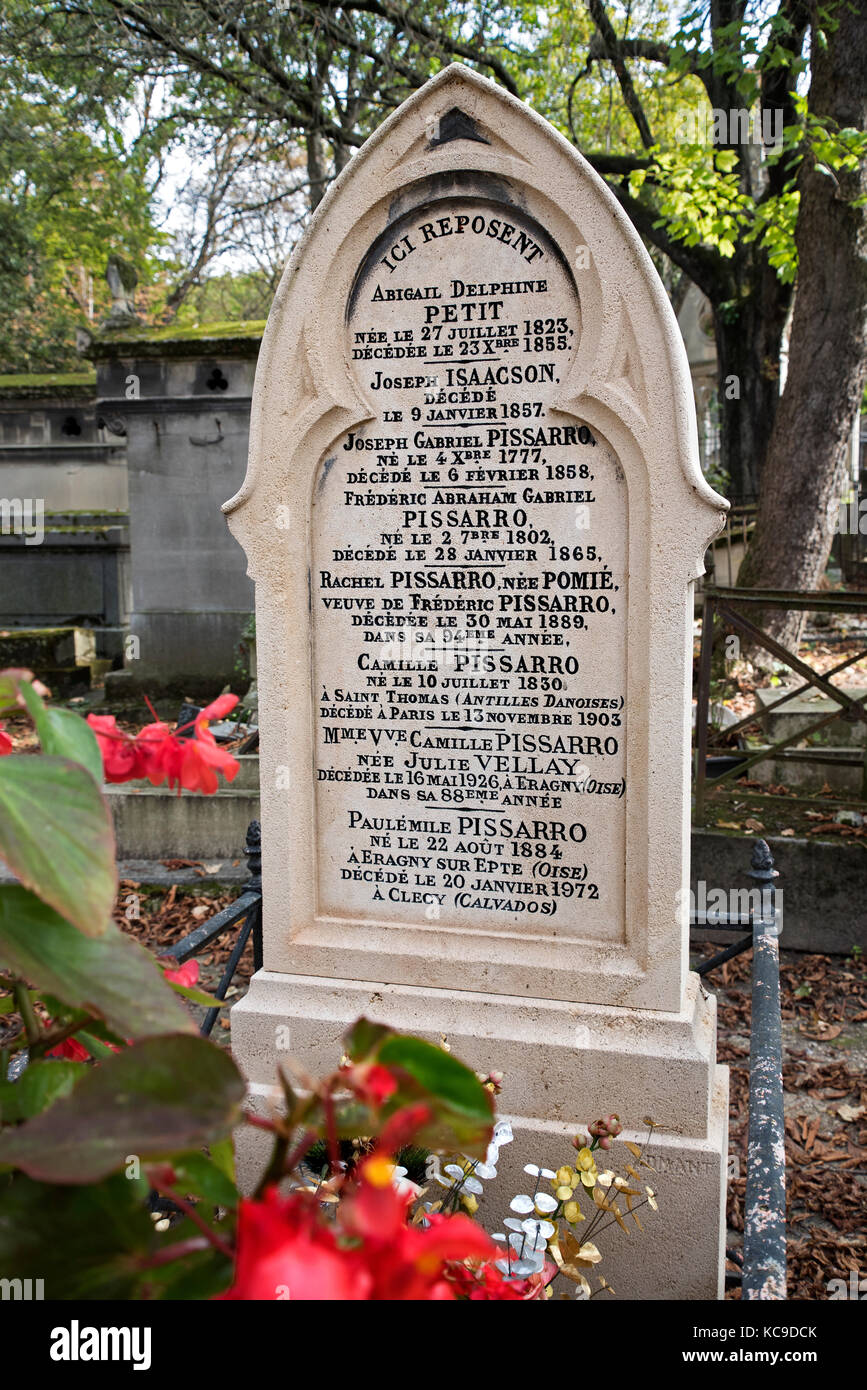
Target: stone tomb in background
(473, 512)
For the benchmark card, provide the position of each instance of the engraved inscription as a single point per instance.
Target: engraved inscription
(469, 597)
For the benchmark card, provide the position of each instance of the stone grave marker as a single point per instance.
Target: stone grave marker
(473, 513)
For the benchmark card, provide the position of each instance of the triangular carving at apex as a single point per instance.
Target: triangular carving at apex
(456, 125)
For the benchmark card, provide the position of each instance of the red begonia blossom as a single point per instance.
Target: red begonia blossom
(186, 974)
(288, 1249)
(159, 755)
(70, 1049)
(372, 1083)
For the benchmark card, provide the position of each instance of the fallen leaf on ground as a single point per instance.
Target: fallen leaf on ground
(821, 1031)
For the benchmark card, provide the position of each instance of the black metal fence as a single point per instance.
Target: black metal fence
(245, 913)
(763, 1262)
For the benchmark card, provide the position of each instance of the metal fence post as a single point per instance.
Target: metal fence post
(765, 1202)
(702, 704)
(253, 852)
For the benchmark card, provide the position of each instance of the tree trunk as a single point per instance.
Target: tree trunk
(806, 464)
(748, 339)
(315, 169)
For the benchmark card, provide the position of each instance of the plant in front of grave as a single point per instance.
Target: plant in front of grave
(104, 1072)
(356, 1229)
(109, 1096)
(542, 1236)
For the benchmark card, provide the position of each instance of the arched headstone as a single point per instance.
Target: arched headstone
(474, 512)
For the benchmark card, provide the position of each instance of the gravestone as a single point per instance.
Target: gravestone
(473, 513)
(181, 397)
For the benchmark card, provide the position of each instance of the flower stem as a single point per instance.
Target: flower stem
(24, 1005)
(189, 1210)
(52, 1040)
(276, 1165)
(178, 1251)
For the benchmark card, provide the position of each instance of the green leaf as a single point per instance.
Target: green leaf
(199, 1176)
(463, 1112)
(223, 1155)
(9, 687)
(64, 734)
(94, 1242)
(111, 976)
(57, 838)
(38, 1087)
(198, 996)
(461, 1104)
(362, 1040)
(84, 1242)
(151, 1100)
(9, 1005)
(94, 1045)
(195, 1278)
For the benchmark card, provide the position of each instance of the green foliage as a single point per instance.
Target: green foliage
(63, 733)
(86, 1242)
(159, 1097)
(71, 192)
(461, 1109)
(57, 838)
(110, 976)
(38, 1087)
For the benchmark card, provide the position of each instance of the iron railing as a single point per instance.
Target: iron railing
(728, 606)
(245, 912)
(763, 1262)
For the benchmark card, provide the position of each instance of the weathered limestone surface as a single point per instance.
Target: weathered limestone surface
(473, 513)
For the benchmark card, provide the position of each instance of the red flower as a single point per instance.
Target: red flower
(186, 974)
(121, 760)
(217, 709)
(5, 742)
(407, 1262)
(202, 761)
(71, 1049)
(161, 756)
(284, 1251)
(372, 1083)
(486, 1282)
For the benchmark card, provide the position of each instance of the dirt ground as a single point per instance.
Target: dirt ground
(824, 1009)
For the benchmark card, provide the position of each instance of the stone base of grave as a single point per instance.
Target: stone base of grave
(564, 1065)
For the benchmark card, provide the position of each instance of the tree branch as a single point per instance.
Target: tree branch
(706, 268)
(609, 41)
